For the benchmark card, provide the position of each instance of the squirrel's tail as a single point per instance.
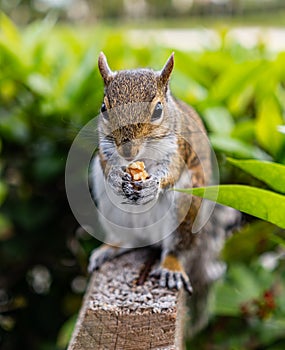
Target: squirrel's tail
(206, 267)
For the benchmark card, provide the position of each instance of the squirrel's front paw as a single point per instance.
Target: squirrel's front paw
(171, 274)
(141, 192)
(116, 177)
(136, 192)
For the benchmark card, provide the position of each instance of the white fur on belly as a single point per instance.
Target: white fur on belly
(134, 225)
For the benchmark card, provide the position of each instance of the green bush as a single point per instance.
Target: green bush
(49, 88)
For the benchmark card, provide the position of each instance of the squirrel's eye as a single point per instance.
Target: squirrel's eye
(104, 111)
(103, 108)
(157, 112)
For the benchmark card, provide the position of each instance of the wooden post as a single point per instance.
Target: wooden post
(117, 313)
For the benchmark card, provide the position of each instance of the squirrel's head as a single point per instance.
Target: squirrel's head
(135, 106)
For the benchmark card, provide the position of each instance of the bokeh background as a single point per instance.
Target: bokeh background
(229, 64)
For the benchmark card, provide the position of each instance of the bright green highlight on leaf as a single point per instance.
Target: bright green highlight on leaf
(269, 116)
(236, 147)
(273, 174)
(265, 205)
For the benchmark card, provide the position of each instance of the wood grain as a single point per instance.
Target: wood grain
(119, 313)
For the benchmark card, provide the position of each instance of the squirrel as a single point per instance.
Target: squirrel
(141, 120)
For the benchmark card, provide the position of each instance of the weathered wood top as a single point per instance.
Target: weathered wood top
(117, 313)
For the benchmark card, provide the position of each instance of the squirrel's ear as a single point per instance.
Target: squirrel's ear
(167, 69)
(104, 68)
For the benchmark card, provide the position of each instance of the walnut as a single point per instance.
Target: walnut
(136, 170)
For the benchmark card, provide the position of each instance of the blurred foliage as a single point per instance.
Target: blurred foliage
(49, 88)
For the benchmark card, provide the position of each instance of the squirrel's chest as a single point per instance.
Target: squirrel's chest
(132, 225)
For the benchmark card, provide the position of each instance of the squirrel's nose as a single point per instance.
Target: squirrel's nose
(128, 151)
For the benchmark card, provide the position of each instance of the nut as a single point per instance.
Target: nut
(137, 171)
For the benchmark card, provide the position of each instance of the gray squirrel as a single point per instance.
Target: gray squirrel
(140, 120)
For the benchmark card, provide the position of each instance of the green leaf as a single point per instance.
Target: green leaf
(39, 84)
(234, 79)
(188, 89)
(8, 30)
(65, 332)
(190, 67)
(235, 147)
(218, 120)
(268, 119)
(244, 130)
(273, 174)
(263, 204)
(259, 233)
(76, 83)
(239, 102)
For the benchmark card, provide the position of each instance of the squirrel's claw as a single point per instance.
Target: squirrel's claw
(116, 178)
(171, 274)
(173, 279)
